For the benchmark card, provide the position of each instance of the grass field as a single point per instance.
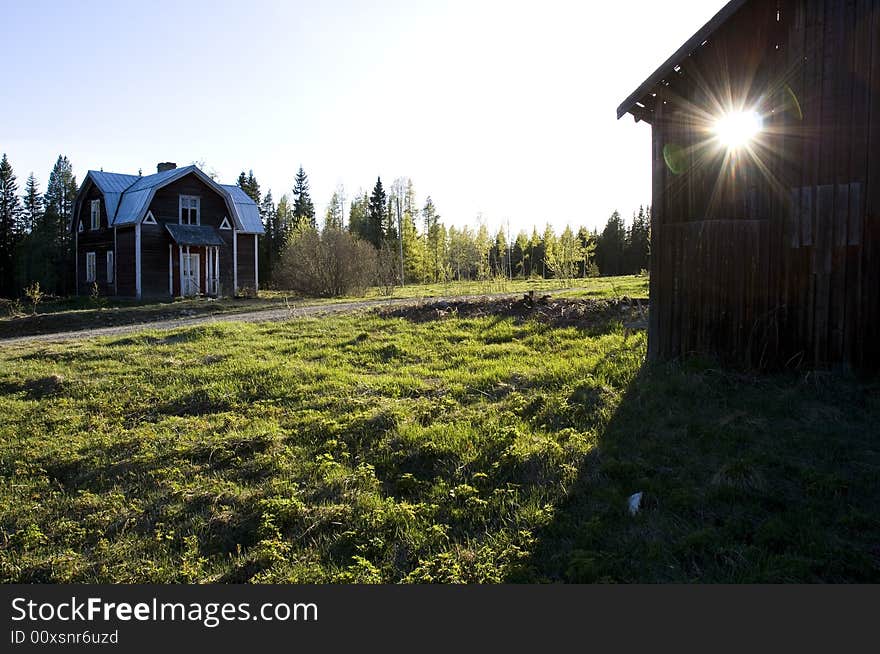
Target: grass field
(79, 313)
(363, 448)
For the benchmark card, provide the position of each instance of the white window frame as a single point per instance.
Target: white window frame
(111, 267)
(225, 224)
(96, 214)
(191, 200)
(149, 219)
(91, 268)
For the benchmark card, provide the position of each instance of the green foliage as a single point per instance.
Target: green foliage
(10, 226)
(376, 217)
(249, 184)
(34, 293)
(303, 207)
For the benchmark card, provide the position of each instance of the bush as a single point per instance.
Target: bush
(328, 264)
(35, 294)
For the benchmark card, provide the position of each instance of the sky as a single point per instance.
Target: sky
(504, 110)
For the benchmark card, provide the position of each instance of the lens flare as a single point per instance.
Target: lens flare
(738, 128)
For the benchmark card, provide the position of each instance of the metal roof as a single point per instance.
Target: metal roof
(136, 199)
(127, 197)
(638, 99)
(194, 234)
(112, 182)
(112, 185)
(247, 209)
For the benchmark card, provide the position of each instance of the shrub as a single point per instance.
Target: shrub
(34, 294)
(328, 264)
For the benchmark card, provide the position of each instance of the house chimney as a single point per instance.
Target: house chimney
(166, 165)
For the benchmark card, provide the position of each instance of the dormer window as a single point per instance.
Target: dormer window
(96, 214)
(189, 210)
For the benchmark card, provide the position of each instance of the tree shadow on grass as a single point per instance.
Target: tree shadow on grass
(34, 389)
(739, 484)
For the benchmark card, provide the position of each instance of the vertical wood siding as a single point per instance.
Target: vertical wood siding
(777, 264)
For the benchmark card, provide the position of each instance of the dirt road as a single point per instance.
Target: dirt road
(262, 315)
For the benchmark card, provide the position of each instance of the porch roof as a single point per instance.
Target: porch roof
(194, 234)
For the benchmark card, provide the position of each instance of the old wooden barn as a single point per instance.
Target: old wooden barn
(766, 186)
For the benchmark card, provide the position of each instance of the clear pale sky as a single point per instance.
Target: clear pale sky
(503, 108)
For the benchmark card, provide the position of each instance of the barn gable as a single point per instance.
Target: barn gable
(767, 251)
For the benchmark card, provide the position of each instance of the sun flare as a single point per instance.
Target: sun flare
(738, 128)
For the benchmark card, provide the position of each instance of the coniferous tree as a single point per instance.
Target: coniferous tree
(57, 275)
(359, 216)
(520, 255)
(248, 183)
(536, 254)
(611, 247)
(498, 256)
(377, 214)
(267, 246)
(10, 227)
(303, 207)
(435, 241)
(638, 244)
(32, 209)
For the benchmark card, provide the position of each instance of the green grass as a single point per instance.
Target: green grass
(78, 313)
(366, 449)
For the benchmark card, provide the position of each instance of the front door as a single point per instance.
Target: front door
(191, 277)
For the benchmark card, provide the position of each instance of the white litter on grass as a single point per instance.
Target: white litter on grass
(634, 502)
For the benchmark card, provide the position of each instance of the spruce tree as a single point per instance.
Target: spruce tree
(611, 246)
(248, 183)
(303, 207)
(55, 233)
(33, 205)
(638, 243)
(498, 256)
(267, 243)
(521, 255)
(435, 237)
(10, 217)
(377, 214)
(536, 254)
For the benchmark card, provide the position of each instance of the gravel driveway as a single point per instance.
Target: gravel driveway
(261, 315)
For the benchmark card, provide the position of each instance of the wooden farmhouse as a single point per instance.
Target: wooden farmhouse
(766, 186)
(175, 233)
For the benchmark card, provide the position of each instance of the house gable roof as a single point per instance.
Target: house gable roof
(638, 102)
(127, 197)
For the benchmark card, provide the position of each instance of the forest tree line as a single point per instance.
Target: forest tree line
(394, 224)
(36, 243)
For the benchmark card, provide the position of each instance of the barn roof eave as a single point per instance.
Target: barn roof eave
(633, 104)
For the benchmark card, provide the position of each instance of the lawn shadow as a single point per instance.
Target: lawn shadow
(34, 389)
(735, 481)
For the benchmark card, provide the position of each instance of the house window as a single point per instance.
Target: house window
(96, 214)
(90, 267)
(110, 266)
(225, 224)
(189, 210)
